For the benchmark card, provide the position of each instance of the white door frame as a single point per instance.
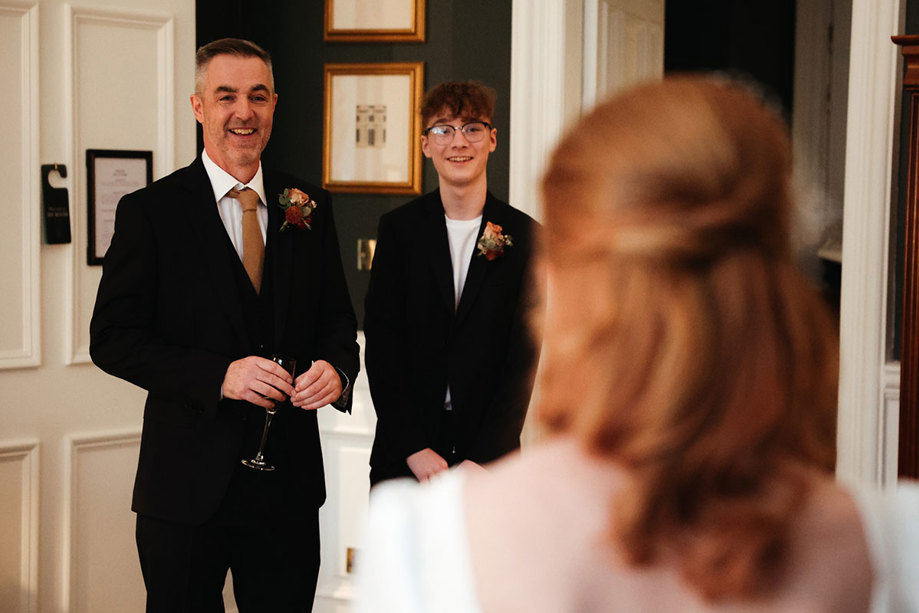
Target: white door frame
(868, 386)
(867, 391)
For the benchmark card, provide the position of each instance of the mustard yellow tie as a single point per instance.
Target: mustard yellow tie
(253, 244)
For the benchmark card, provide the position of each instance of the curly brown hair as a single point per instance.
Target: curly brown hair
(705, 363)
(466, 100)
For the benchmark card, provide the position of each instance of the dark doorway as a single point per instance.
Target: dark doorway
(754, 40)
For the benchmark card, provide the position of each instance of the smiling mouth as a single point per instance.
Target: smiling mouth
(464, 158)
(242, 131)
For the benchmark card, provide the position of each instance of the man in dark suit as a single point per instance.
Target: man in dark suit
(202, 282)
(449, 354)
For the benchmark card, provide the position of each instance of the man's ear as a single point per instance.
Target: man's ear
(197, 107)
(424, 147)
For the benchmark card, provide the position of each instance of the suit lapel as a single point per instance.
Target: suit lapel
(281, 246)
(439, 249)
(479, 265)
(213, 244)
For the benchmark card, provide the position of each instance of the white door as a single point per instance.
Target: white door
(623, 44)
(565, 56)
(98, 74)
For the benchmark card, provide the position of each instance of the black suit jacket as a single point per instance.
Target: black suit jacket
(418, 343)
(169, 318)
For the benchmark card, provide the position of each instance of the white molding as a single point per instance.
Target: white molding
(891, 422)
(537, 95)
(892, 381)
(337, 589)
(649, 59)
(873, 92)
(163, 157)
(590, 66)
(69, 140)
(29, 354)
(344, 433)
(74, 446)
(540, 55)
(27, 454)
(611, 49)
(622, 45)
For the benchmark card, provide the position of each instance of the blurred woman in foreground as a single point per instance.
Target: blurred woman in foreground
(689, 388)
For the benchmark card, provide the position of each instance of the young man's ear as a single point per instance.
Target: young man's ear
(424, 146)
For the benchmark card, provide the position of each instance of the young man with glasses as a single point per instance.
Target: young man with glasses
(449, 352)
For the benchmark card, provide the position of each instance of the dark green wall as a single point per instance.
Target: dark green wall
(470, 39)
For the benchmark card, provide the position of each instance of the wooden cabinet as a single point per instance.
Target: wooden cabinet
(908, 462)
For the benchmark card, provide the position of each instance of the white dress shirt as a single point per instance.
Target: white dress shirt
(230, 209)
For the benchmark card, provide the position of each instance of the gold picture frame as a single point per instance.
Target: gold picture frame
(371, 141)
(384, 21)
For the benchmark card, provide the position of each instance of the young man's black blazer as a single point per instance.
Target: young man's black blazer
(418, 343)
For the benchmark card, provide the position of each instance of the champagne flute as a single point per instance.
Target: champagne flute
(258, 462)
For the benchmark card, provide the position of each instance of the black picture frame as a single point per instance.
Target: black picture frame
(110, 174)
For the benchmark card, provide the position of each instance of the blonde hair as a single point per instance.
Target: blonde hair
(680, 339)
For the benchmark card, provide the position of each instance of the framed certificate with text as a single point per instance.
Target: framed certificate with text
(110, 174)
(371, 128)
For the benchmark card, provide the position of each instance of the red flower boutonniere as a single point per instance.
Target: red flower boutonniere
(298, 209)
(493, 243)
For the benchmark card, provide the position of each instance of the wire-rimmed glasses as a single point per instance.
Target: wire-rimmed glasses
(473, 132)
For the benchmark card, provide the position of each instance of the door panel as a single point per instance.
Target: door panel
(113, 74)
(20, 232)
(623, 44)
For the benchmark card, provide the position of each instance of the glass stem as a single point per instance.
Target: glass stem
(261, 446)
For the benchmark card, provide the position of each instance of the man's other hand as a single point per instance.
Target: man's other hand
(317, 387)
(257, 380)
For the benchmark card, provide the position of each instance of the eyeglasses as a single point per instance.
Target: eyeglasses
(442, 134)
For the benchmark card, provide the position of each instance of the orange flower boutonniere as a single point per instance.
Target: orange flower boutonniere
(493, 242)
(298, 209)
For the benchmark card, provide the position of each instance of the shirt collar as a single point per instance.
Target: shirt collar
(222, 181)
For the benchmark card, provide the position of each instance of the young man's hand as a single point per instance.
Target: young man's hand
(426, 463)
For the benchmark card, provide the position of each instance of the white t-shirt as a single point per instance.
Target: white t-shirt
(461, 234)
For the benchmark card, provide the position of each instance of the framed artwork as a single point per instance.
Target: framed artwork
(390, 21)
(110, 174)
(371, 128)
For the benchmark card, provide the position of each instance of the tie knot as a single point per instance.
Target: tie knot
(247, 197)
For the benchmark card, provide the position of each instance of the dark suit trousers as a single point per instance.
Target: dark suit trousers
(273, 557)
